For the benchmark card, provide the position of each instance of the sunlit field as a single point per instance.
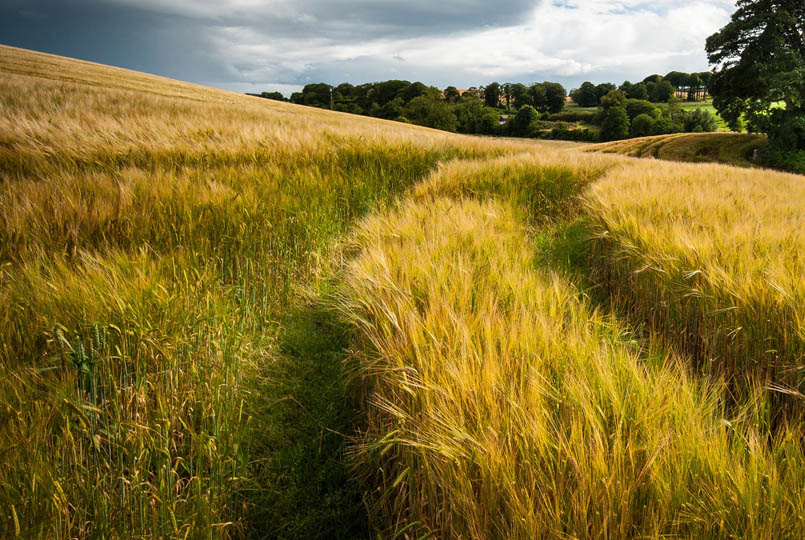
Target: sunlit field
(729, 148)
(713, 256)
(502, 405)
(229, 317)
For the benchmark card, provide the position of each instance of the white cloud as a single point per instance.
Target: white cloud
(583, 39)
(242, 43)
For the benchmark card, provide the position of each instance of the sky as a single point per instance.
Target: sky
(253, 45)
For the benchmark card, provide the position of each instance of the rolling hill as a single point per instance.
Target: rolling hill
(228, 317)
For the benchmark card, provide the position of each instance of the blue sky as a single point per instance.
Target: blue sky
(253, 45)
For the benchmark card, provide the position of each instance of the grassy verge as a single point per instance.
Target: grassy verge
(303, 484)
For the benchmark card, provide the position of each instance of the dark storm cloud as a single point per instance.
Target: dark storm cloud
(181, 39)
(249, 44)
(350, 20)
(164, 44)
(409, 19)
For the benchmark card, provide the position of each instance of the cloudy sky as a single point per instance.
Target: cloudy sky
(253, 45)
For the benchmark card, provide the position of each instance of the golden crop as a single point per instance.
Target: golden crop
(162, 243)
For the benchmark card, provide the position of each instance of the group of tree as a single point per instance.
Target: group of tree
(477, 110)
(759, 76)
(392, 100)
(654, 88)
(511, 109)
(621, 117)
(277, 96)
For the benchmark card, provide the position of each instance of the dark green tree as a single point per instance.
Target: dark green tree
(520, 95)
(603, 89)
(555, 95)
(277, 96)
(506, 88)
(615, 124)
(387, 90)
(524, 123)
(492, 95)
(642, 125)
(489, 122)
(431, 112)
(634, 91)
(585, 95)
(636, 107)
(392, 109)
(468, 114)
(451, 94)
(414, 90)
(314, 95)
(759, 61)
(615, 98)
(698, 121)
(662, 92)
(614, 119)
(678, 78)
(537, 97)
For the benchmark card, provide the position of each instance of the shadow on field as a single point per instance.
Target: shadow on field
(305, 489)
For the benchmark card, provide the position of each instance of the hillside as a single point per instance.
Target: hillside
(229, 317)
(728, 148)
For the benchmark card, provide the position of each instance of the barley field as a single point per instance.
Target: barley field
(730, 148)
(228, 317)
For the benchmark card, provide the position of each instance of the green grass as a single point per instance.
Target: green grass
(303, 488)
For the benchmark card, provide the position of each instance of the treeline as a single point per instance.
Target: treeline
(654, 88)
(514, 109)
(482, 110)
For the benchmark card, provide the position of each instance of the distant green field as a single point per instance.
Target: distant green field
(705, 105)
(574, 107)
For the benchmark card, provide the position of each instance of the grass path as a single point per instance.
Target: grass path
(304, 484)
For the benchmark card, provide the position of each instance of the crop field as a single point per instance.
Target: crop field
(228, 317)
(730, 148)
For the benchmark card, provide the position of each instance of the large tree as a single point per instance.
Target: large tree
(555, 95)
(520, 95)
(678, 78)
(451, 94)
(585, 95)
(759, 70)
(614, 118)
(492, 95)
(662, 91)
(524, 123)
